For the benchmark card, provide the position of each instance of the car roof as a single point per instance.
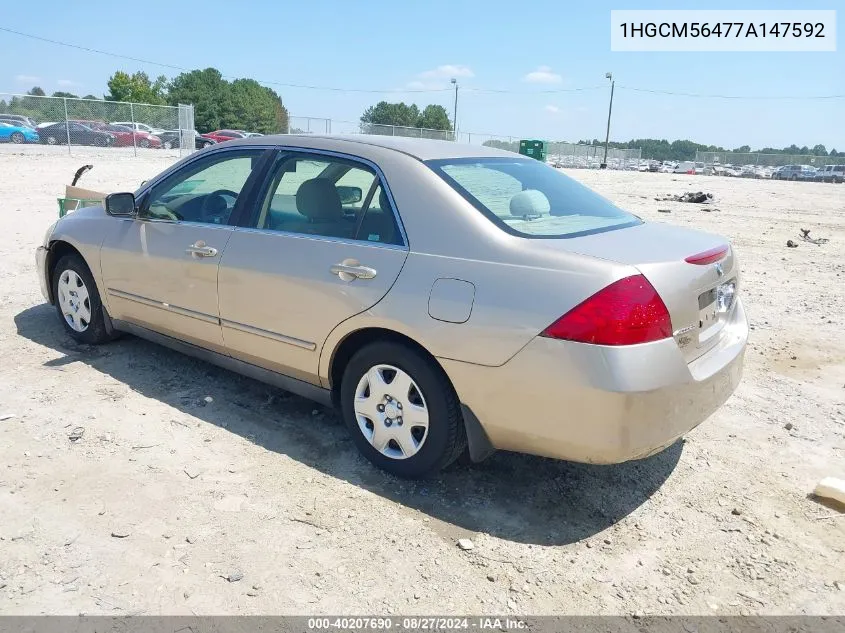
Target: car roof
(420, 148)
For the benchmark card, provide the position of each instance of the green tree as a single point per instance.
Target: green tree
(137, 88)
(90, 97)
(384, 113)
(36, 91)
(242, 104)
(434, 117)
(60, 93)
(743, 149)
(208, 92)
(819, 150)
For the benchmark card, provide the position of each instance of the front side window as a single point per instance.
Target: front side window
(203, 191)
(329, 197)
(525, 197)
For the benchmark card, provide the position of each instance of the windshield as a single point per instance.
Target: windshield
(528, 198)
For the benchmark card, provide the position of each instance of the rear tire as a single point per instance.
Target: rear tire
(144, 143)
(52, 140)
(430, 397)
(78, 301)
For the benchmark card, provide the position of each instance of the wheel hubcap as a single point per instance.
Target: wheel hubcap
(74, 301)
(391, 412)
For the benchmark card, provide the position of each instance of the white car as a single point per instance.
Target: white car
(139, 127)
(685, 167)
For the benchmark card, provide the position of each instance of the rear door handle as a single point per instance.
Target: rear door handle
(348, 272)
(201, 249)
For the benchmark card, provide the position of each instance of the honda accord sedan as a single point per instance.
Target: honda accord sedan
(444, 297)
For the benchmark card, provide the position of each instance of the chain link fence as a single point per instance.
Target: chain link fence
(33, 124)
(712, 160)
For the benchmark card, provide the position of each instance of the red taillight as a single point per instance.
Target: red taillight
(708, 257)
(627, 312)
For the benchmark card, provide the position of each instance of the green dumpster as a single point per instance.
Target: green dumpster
(533, 148)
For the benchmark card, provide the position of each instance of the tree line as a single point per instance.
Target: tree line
(432, 117)
(678, 150)
(241, 104)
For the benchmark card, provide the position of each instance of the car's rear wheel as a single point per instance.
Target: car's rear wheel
(145, 143)
(52, 140)
(401, 410)
(78, 301)
(17, 137)
(168, 145)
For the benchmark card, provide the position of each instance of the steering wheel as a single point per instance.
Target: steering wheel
(215, 206)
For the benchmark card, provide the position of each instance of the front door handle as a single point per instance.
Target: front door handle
(349, 270)
(201, 249)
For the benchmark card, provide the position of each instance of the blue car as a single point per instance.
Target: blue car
(17, 133)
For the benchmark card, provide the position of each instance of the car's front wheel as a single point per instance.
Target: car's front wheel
(78, 301)
(401, 410)
(17, 137)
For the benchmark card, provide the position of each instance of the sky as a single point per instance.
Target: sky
(523, 50)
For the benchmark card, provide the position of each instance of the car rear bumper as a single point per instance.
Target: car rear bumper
(598, 404)
(41, 263)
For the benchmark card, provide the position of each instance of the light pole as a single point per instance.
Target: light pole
(609, 110)
(455, 113)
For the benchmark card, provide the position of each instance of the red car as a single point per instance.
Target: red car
(123, 135)
(223, 135)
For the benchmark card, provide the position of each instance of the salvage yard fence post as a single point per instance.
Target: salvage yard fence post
(67, 125)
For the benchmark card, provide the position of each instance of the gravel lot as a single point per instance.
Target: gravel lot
(257, 502)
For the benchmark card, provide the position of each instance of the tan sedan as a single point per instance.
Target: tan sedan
(443, 296)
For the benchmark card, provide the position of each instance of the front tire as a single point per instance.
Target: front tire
(401, 409)
(18, 138)
(78, 301)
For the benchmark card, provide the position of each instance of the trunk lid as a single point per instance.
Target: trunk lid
(694, 294)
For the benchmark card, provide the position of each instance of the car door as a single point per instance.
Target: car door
(324, 244)
(160, 268)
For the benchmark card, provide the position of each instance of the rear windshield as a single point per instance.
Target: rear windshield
(528, 198)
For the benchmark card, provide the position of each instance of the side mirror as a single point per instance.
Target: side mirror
(120, 205)
(350, 195)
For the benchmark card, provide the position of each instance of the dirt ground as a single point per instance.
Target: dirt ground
(167, 499)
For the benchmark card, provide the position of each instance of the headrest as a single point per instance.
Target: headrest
(383, 202)
(318, 199)
(530, 203)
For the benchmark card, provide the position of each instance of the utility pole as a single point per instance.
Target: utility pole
(455, 113)
(609, 111)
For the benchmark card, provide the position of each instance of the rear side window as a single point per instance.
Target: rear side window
(528, 198)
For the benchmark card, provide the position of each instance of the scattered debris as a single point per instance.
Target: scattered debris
(76, 434)
(192, 473)
(233, 576)
(465, 544)
(79, 173)
(788, 426)
(818, 241)
(190, 539)
(120, 533)
(791, 244)
(208, 400)
(6, 416)
(831, 488)
(491, 577)
(697, 197)
(664, 210)
(736, 512)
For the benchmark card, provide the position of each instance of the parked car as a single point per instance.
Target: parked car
(170, 139)
(17, 133)
(126, 137)
(684, 167)
(17, 119)
(293, 265)
(80, 134)
(807, 173)
(220, 136)
(831, 173)
(140, 127)
(787, 172)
